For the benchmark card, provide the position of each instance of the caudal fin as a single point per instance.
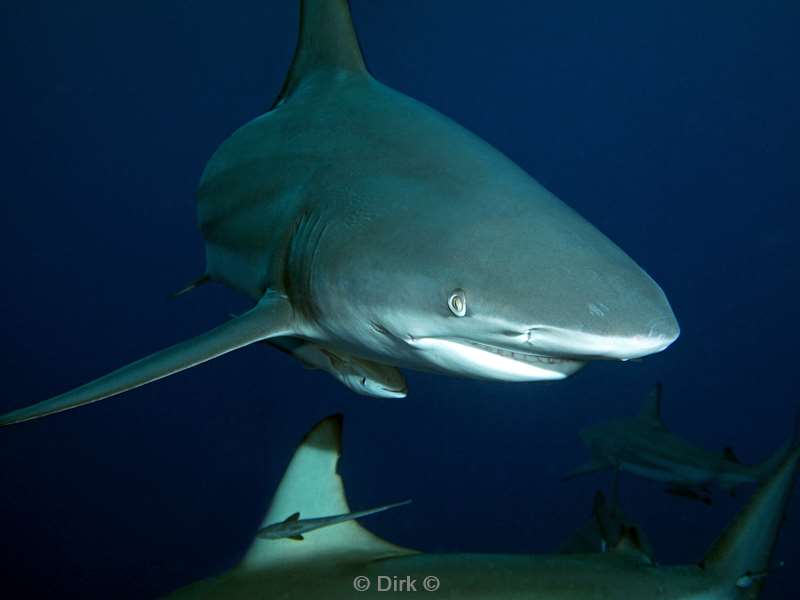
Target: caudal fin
(741, 555)
(765, 468)
(269, 318)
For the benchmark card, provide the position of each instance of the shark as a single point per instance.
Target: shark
(369, 224)
(293, 527)
(606, 527)
(644, 446)
(346, 560)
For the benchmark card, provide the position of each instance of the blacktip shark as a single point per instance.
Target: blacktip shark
(368, 223)
(606, 528)
(643, 445)
(331, 562)
(293, 527)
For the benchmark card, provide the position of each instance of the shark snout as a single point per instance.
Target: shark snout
(633, 321)
(614, 344)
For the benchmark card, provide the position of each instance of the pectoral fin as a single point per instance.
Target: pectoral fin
(270, 317)
(297, 537)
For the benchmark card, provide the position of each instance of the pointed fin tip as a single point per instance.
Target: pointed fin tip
(630, 543)
(271, 317)
(327, 433)
(326, 40)
(747, 543)
(202, 280)
(730, 455)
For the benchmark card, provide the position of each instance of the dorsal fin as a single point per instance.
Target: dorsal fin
(312, 487)
(730, 455)
(651, 410)
(630, 544)
(599, 503)
(746, 545)
(292, 517)
(326, 41)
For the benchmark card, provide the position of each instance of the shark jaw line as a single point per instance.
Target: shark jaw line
(485, 361)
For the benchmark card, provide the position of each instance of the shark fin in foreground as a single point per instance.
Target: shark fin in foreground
(330, 561)
(742, 553)
(270, 317)
(311, 486)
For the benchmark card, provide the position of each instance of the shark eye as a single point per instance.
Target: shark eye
(457, 303)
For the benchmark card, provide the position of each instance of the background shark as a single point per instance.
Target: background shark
(332, 561)
(644, 446)
(367, 222)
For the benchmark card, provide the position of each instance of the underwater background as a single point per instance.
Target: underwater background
(674, 127)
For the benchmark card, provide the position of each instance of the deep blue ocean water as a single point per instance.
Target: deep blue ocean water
(674, 127)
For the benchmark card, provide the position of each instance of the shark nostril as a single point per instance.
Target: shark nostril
(664, 328)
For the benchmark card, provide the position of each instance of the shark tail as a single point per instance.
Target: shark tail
(327, 42)
(741, 555)
(766, 467)
(271, 317)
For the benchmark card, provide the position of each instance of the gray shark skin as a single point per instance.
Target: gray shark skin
(331, 561)
(643, 445)
(606, 528)
(368, 223)
(293, 527)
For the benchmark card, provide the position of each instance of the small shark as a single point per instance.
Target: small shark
(365, 222)
(347, 561)
(364, 377)
(293, 527)
(644, 446)
(606, 528)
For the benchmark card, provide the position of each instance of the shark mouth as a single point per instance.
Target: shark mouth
(484, 361)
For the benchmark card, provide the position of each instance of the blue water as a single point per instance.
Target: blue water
(674, 127)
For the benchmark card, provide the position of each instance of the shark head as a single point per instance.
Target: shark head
(505, 284)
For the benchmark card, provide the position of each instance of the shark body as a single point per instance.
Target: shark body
(373, 226)
(644, 446)
(334, 560)
(293, 527)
